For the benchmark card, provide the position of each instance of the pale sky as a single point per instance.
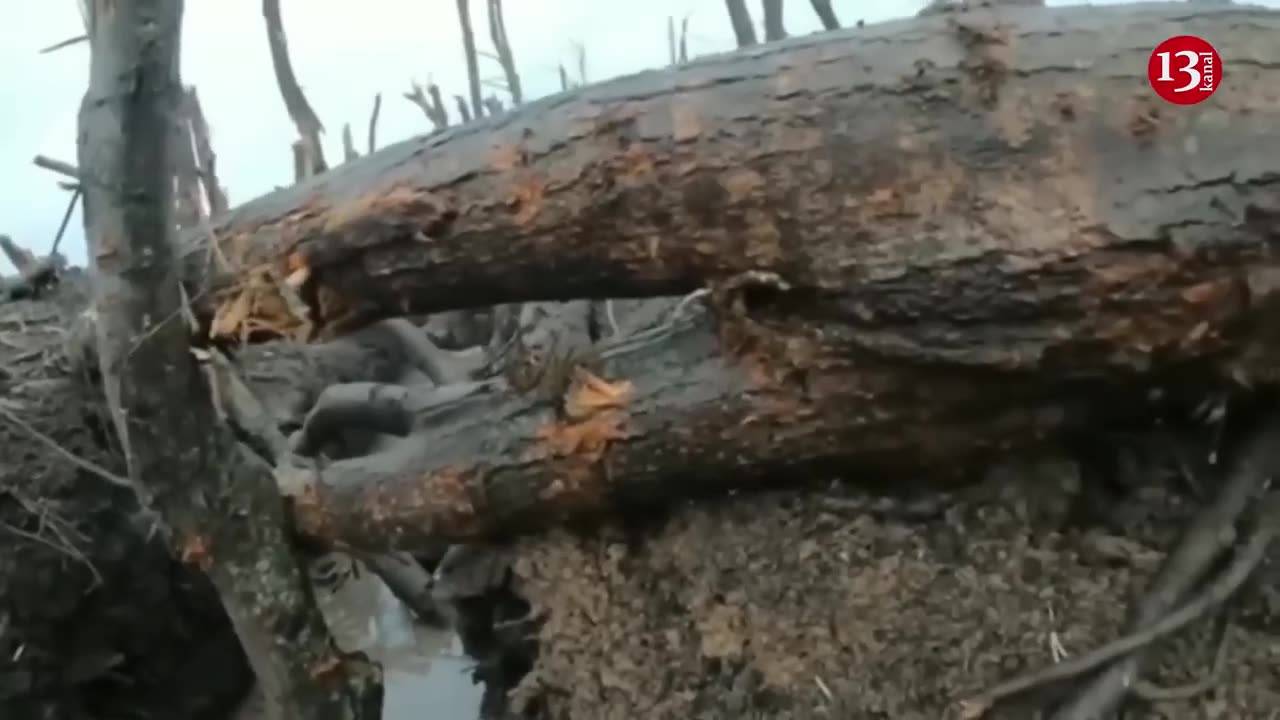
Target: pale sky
(343, 52)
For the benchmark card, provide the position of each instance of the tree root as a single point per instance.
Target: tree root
(1204, 542)
(1257, 462)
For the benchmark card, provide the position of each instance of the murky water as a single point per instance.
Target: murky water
(425, 671)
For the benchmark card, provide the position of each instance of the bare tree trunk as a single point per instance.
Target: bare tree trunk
(740, 17)
(206, 161)
(349, 152)
(826, 14)
(373, 122)
(473, 62)
(773, 27)
(308, 124)
(218, 503)
(502, 46)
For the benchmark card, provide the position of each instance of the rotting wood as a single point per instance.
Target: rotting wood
(978, 172)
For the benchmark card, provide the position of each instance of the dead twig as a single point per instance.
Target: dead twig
(1247, 559)
(65, 43)
(66, 219)
(58, 166)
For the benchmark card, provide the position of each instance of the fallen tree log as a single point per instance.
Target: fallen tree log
(919, 180)
(923, 240)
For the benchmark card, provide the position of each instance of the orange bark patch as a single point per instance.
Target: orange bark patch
(507, 157)
(742, 183)
(637, 164)
(196, 551)
(323, 667)
(589, 394)
(526, 199)
(586, 439)
(399, 200)
(263, 305)
(685, 123)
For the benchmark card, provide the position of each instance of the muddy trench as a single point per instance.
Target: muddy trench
(842, 600)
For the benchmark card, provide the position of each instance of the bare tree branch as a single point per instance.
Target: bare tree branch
(58, 166)
(431, 106)
(304, 118)
(65, 43)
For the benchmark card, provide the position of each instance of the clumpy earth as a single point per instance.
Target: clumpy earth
(832, 604)
(826, 602)
(96, 619)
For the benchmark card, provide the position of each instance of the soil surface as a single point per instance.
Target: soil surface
(96, 620)
(838, 605)
(803, 604)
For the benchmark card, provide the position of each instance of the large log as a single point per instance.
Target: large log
(969, 235)
(944, 185)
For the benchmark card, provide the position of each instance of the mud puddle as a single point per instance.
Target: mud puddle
(425, 671)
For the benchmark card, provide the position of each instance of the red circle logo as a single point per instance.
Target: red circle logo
(1184, 70)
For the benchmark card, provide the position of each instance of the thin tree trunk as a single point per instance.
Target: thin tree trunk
(773, 27)
(740, 18)
(826, 14)
(304, 118)
(218, 504)
(473, 62)
(502, 46)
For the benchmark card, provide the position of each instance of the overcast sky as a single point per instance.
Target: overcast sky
(343, 53)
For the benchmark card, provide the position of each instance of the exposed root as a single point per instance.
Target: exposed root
(1201, 545)
(1247, 559)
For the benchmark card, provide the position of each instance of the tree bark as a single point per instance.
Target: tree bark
(1016, 184)
(773, 25)
(992, 252)
(219, 507)
(469, 54)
